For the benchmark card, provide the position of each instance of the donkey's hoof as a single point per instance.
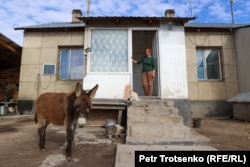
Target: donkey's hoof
(68, 158)
(42, 149)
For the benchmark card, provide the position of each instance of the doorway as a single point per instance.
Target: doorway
(142, 39)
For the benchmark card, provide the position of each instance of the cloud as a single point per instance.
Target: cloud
(24, 13)
(241, 9)
(220, 12)
(16, 13)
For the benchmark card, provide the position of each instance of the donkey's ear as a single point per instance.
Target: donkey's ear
(78, 89)
(92, 92)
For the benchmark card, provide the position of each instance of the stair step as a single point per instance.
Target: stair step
(157, 111)
(157, 131)
(153, 103)
(167, 121)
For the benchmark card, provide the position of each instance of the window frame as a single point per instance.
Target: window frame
(205, 72)
(69, 77)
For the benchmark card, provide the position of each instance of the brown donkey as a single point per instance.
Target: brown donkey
(66, 109)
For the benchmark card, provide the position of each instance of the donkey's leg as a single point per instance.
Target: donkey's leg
(41, 142)
(42, 134)
(70, 137)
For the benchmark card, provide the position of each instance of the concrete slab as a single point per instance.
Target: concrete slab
(160, 141)
(125, 154)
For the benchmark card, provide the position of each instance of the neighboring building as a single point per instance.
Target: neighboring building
(196, 63)
(241, 102)
(242, 41)
(10, 63)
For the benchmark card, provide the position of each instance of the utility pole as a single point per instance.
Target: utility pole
(232, 13)
(88, 7)
(191, 8)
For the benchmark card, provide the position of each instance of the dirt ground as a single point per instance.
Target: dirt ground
(19, 146)
(19, 142)
(226, 134)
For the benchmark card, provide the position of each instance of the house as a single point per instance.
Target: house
(196, 63)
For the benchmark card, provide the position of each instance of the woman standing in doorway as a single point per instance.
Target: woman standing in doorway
(148, 71)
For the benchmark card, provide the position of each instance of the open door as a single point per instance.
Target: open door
(142, 39)
(155, 49)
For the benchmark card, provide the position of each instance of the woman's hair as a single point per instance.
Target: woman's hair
(149, 49)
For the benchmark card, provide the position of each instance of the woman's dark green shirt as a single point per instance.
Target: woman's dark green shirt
(148, 63)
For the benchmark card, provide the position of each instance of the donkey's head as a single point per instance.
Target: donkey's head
(83, 103)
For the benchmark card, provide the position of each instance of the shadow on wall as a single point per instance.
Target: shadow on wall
(183, 106)
(211, 108)
(25, 107)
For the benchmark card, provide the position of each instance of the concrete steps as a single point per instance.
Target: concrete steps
(154, 125)
(156, 121)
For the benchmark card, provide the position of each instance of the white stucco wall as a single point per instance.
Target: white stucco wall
(110, 86)
(173, 71)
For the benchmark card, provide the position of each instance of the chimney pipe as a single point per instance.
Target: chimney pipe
(76, 13)
(169, 13)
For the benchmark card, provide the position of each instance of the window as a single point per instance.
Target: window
(71, 63)
(109, 50)
(208, 64)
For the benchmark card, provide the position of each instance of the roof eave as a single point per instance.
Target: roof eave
(52, 26)
(182, 19)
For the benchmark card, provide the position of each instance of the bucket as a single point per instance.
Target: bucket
(109, 122)
(196, 122)
(3, 110)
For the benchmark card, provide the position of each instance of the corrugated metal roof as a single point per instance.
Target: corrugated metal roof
(80, 24)
(214, 25)
(54, 25)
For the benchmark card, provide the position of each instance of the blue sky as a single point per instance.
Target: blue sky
(17, 13)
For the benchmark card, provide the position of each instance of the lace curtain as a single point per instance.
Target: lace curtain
(109, 50)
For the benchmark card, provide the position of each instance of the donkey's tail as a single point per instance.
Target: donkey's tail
(35, 118)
